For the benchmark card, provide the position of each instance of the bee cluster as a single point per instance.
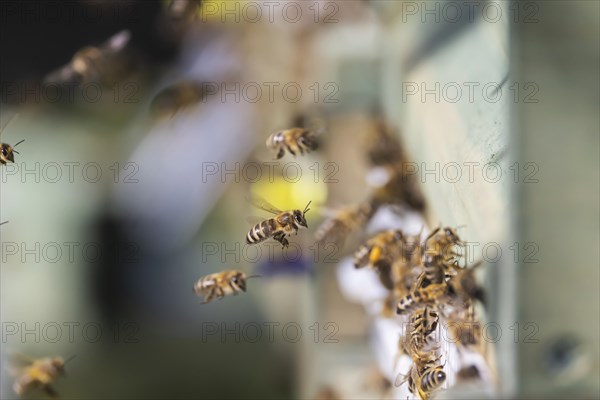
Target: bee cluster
(427, 286)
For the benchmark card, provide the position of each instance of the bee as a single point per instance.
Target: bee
(172, 99)
(6, 150)
(183, 9)
(400, 189)
(294, 140)
(421, 296)
(39, 373)
(464, 287)
(439, 253)
(380, 250)
(105, 63)
(343, 222)
(220, 284)
(424, 377)
(423, 323)
(284, 223)
(383, 146)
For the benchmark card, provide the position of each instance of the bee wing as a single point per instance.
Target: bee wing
(64, 74)
(117, 42)
(317, 126)
(263, 204)
(17, 362)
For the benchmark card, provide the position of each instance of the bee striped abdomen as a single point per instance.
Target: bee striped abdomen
(420, 297)
(260, 232)
(361, 257)
(432, 379)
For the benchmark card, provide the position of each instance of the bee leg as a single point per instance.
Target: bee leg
(221, 293)
(280, 237)
(290, 150)
(280, 153)
(50, 391)
(210, 296)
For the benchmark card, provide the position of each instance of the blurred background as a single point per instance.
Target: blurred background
(145, 125)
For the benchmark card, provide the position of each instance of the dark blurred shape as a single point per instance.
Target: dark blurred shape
(442, 33)
(293, 266)
(468, 373)
(176, 98)
(105, 64)
(383, 146)
(327, 393)
(384, 149)
(401, 189)
(112, 279)
(177, 18)
(563, 355)
(37, 37)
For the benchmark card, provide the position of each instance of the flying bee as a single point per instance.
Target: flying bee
(221, 284)
(183, 9)
(172, 99)
(39, 373)
(6, 150)
(343, 222)
(284, 223)
(106, 63)
(294, 140)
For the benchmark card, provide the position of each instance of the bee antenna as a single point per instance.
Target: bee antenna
(5, 222)
(306, 209)
(15, 116)
(19, 143)
(253, 276)
(70, 358)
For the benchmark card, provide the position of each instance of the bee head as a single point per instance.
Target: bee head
(7, 153)
(398, 235)
(451, 236)
(299, 216)
(274, 140)
(58, 364)
(238, 281)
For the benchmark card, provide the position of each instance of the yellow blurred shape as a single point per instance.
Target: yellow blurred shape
(286, 194)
